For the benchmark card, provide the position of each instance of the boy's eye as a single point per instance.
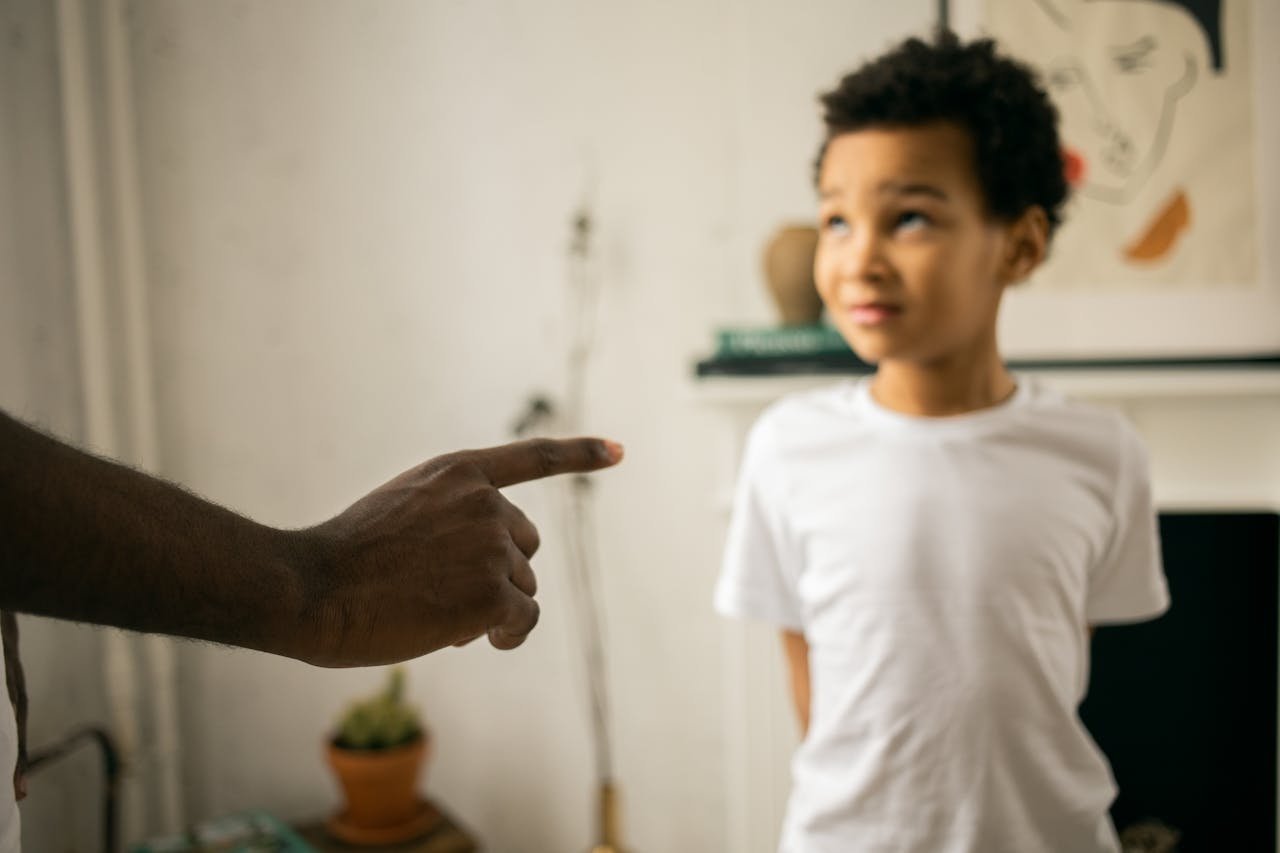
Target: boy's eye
(910, 220)
(835, 224)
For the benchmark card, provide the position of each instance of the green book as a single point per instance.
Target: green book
(772, 342)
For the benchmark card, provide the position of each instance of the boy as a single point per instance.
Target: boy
(937, 542)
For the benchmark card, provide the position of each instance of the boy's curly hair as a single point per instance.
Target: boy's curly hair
(998, 100)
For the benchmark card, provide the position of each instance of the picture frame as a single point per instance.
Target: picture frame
(1169, 248)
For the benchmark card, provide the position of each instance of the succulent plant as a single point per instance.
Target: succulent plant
(381, 722)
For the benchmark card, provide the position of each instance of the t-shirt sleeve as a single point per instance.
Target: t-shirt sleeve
(759, 570)
(1128, 584)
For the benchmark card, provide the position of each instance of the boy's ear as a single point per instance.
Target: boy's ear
(1027, 246)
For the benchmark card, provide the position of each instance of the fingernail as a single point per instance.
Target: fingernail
(614, 450)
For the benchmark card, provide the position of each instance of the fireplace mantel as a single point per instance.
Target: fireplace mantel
(1110, 384)
(1213, 432)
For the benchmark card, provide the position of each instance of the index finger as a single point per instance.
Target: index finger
(536, 458)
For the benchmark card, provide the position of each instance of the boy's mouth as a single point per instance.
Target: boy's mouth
(874, 313)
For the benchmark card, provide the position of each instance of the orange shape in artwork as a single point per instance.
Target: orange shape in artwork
(1073, 166)
(1162, 234)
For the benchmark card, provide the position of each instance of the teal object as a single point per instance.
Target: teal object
(246, 832)
(771, 342)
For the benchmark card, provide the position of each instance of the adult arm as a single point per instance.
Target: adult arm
(437, 556)
(796, 650)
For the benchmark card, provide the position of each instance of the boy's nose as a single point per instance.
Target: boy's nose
(862, 257)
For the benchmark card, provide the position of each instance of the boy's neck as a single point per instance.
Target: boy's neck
(951, 386)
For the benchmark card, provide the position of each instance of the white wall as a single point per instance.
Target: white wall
(38, 376)
(39, 382)
(357, 216)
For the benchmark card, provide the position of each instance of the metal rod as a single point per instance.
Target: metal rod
(110, 774)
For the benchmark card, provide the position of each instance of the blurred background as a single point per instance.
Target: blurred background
(278, 251)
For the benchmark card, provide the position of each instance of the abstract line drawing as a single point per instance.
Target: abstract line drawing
(1157, 126)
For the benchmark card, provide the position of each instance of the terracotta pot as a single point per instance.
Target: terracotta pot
(788, 269)
(380, 785)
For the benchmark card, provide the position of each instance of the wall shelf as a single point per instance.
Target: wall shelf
(1213, 430)
(1110, 383)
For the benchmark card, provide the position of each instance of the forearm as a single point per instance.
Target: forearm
(796, 650)
(85, 539)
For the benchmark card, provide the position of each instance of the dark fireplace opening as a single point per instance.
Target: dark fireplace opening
(1185, 706)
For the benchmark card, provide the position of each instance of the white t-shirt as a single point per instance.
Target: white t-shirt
(944, 572)
(10, 828)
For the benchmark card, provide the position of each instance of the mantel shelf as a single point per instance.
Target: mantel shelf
(1110, 384)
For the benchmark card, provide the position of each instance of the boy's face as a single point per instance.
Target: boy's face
(909, 264)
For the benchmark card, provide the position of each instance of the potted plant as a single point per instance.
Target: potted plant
(377, 753)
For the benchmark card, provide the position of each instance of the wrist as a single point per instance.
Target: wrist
(292, 621)
(313, 622)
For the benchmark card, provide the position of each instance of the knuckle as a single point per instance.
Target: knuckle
(460, 465)
(448, 475)
(488, 500)
(445, 462)
(484, 506)
(500, 557)
(550, 455)
(489, 592)
(497, 559)
(504, 640)
(492, 501)
(519, 621)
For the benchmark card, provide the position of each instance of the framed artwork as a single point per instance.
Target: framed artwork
(1170, 117)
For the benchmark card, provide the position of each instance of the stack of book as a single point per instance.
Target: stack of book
(770, 351)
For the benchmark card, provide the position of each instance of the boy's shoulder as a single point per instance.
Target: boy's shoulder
(1083, 434)
(795, 422)
(798, 413)
(826, 400)
(1050, 407)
